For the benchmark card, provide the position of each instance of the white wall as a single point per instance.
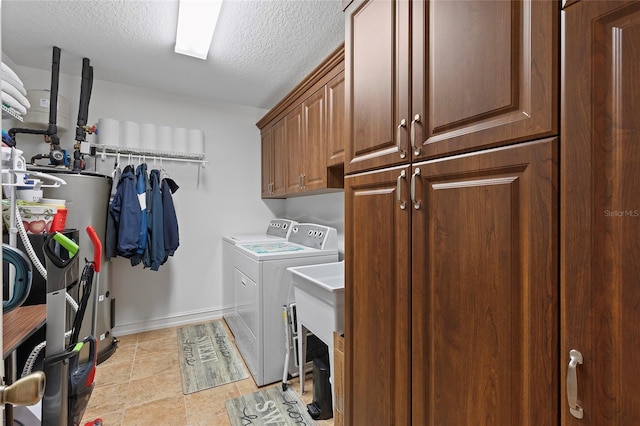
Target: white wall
(188, 287)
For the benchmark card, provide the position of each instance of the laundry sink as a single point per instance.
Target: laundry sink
(319, 294)
(324, 281)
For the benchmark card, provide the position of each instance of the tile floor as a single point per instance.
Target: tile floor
(140, 385)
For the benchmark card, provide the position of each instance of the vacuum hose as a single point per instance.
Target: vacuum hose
(34, 258)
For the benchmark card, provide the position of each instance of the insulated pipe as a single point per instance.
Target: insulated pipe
(53, 96)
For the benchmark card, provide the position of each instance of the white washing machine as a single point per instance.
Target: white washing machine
(277, 230)
(263, 286)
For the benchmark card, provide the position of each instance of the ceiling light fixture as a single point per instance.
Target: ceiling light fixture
(196, 22)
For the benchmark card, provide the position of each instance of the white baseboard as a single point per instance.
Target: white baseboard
(172, 321)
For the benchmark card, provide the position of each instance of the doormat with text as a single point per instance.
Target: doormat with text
(207, 357)
(271, 406)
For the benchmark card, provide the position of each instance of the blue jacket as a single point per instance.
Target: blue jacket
(171, 234)
(125, 210)
(143, 190)
(155, 222)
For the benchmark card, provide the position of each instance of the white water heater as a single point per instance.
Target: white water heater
(37, 117)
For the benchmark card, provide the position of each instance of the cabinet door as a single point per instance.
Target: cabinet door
(335, 120)
(484, 73)
(280, 155)
(377, 86)
(267, 162)
(485, 288)
(314, 154)
(600, 222)
(377, 306)
(293, 124)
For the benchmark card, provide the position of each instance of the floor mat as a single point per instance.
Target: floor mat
(270, 406)
(207, 357)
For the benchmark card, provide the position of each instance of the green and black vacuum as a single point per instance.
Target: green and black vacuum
(69, 384)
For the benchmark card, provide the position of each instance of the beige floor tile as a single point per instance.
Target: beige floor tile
(122, 354)
(113, 374)
(222, 420)
(155, 387)
(153, 365)
(246, 386)
(108, 419)
(209, 403)
(129, 339)
(154, 347)
(157, 334)
(106, 399)
(165, 412)
(140, 384)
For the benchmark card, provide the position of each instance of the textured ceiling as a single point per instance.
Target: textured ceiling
(261, 48)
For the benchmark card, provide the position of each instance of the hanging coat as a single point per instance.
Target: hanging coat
(155, 224)
(143, 190)
(171, 235)
(125, 210)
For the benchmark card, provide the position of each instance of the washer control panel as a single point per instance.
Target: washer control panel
(315, 236)
(280, 227)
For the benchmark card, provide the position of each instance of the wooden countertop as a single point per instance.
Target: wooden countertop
(19, 324)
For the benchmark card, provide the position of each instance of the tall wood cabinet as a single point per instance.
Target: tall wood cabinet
(452, 298)
(492, 269)
(600, 215)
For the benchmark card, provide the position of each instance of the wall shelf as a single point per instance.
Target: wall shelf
(170, 155)
(120, 152)
(9, 113)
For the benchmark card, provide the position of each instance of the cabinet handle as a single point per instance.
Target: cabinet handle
(416, 204)
(572, 384)
(243, 281)
(403, 175)
(416, 149)
(271, 188)
(300, 181)
(403, 123)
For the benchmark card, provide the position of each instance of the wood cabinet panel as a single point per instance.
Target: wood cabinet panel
(376, 54)
(279, 159)
(485, 288)
(483, 74)
(600, 217)
(336, 117)
(314, 155)
(267, 162)
(377, 288)
(293, 125)
(274, 161)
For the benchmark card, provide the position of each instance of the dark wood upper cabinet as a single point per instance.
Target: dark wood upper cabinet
(274, 161)
(312, 119)
(482, 74)
(377, 84)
